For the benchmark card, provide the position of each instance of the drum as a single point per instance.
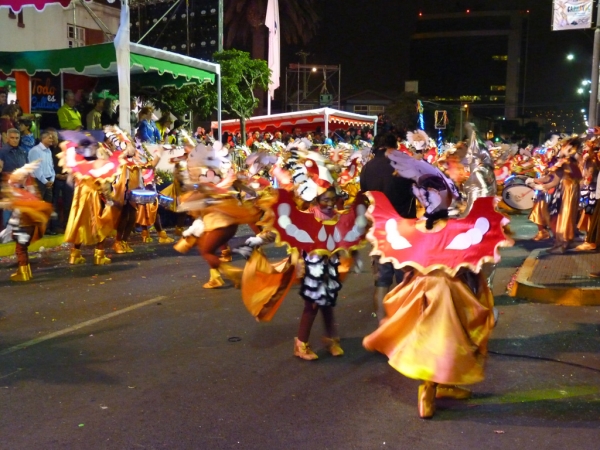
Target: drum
(165, 201)
(143, 196)
(517, 194)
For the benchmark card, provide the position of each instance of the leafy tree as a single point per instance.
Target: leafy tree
(245, 19)
(241, 76)
(200, 99)
(403, 112)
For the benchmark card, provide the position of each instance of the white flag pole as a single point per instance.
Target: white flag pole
(272, 23)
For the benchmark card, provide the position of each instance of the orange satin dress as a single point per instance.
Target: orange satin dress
(437, 327)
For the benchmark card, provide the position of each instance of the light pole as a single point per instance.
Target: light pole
(593, 109)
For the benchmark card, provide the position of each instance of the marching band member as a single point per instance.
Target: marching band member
(128, 187)
(565, 202)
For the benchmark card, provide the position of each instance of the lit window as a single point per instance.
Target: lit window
(497, 88)
(375, 110)
(362, 109)
(500, 57)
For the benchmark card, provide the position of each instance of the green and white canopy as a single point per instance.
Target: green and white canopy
(148, 66)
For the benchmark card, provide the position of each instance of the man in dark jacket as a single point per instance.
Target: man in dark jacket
(11, 158)
(378, 175)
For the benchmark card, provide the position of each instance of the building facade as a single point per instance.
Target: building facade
(471, 57)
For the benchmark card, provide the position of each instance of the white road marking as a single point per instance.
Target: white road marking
(78, 326)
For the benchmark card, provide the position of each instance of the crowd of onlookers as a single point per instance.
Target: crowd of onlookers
(22, 143)
(317, 137)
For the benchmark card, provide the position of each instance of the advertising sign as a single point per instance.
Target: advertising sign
(45, 92)
(572, 14)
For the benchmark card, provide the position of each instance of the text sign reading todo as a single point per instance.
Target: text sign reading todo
(45, 92)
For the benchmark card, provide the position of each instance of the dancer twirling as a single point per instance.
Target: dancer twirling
(321, 239)
(439, 319)
(29, 216)
(92, 167)
(216, 209)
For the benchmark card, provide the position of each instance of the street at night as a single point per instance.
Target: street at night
(178, 366)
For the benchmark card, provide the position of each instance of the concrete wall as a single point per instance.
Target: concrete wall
(47, 30)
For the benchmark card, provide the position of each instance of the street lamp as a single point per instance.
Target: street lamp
(570, 57)
(580, 91)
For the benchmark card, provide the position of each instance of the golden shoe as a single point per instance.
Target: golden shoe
(215, 280)
(119, 247)
(427, 400)
(456, 392)
(75, 257)
(333, 346)
(146, 237)
(541, 235)
(225, 255)
(585, 247)
(233, 273)
(303, 350)
(185, 244)
(128, 248)
(22, 274)
(163, 238)
(100, 259)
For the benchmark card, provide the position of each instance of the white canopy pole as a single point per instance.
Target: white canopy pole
(219, 126)
(123, 68)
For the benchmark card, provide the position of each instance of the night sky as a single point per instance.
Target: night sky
(371, 40)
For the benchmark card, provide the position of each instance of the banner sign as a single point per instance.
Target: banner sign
(572, 14)
(46, 92)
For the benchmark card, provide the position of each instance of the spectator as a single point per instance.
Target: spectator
(44, 174)
(254, 138)
(164, 124)
(68, 117)
(93, 119)
(62, 192)
(109, 115)
(27, 139)
(11, 158)
(8, 120)
(147, 130)
(3, 101)
(378, 175)
(133, 115)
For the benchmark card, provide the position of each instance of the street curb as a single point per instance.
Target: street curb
(543, 294)
(46, 242)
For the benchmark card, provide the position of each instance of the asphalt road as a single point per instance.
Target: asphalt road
(136, 355)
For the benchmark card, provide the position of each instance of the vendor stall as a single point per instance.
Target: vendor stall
(325, 118)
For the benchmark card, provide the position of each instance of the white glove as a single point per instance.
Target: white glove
(254, 241)
(196, 229)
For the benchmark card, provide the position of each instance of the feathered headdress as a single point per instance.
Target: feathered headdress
(309, 173)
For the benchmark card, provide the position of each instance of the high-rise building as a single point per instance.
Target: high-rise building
(474, 57)
(189, 27)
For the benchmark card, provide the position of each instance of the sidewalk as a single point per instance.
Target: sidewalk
(559, 279)
(46, 242)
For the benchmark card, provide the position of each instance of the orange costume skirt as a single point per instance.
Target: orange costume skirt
(564, 223)
(436, 329)
(89, 222)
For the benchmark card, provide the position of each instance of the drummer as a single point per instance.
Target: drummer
(130, 191)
